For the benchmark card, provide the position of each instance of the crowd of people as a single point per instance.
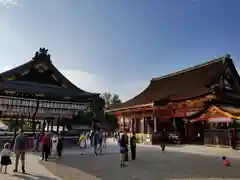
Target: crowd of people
(96, 139)
(49, 143)
(123, 141)
(52, 144)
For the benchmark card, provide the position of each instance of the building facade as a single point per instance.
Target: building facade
(37, 91)
(196, 105)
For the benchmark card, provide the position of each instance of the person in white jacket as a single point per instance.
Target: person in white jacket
(54, 145)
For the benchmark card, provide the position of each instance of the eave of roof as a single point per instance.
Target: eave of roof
(130, 107)
(224, 111)
(34, 88)
(48, 63)
(163, 87)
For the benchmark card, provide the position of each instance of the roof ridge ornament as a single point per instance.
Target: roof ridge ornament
(42, 53)
(228, 56)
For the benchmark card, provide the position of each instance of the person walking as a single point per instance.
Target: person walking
(163, 140)
(46, 145)
(133, 144)
(34, 149)
(104, 145)
(54, 141)
(20, 147)
(126, 146)
(100, 141)
(122, 144)
(97, 141)
(82, 143)
(92, 138)
(60, 146)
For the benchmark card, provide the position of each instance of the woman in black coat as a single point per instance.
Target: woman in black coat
(59, 147)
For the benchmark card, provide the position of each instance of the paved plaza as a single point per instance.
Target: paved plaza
(151, 164)
(35, 171)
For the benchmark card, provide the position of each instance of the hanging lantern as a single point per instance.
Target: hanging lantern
(13, 102)
(30, 103)
(9, 102)
(46, 104)
(26, 102)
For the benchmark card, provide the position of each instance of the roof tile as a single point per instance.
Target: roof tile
(186, 83)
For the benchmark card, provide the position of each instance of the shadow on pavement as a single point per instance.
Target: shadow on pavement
(150, 165)
(33, 177)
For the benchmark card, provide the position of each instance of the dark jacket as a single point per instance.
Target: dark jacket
(133, 141)
(123, 141)
(164, 136)
(60, 144)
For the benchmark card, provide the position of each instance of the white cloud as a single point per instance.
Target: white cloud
(8, 3)
(95, 83)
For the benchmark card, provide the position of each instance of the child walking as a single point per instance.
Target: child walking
(5, 157)
(82, 143)
(226, 161)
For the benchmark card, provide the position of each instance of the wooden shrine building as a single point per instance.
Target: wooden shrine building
(200, 104)
(38, 92)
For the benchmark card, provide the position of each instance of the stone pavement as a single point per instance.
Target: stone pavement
(179, 162)
(35, 171)
(194, 149)
(200, 149)
(150, 164)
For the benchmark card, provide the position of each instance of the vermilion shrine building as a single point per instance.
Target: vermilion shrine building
(200, 104)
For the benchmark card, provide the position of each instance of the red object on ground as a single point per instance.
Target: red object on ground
(226, 163)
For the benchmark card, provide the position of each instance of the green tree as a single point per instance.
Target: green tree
(95, 112)
(115, 99)
(110, 99)
(112, 120)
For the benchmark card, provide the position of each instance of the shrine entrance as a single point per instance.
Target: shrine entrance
(194, 132)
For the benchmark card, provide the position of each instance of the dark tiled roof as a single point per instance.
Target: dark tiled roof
(28, 65)
(190, 82)
(34, 88)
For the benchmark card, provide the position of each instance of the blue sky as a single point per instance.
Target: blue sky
(119, 45)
